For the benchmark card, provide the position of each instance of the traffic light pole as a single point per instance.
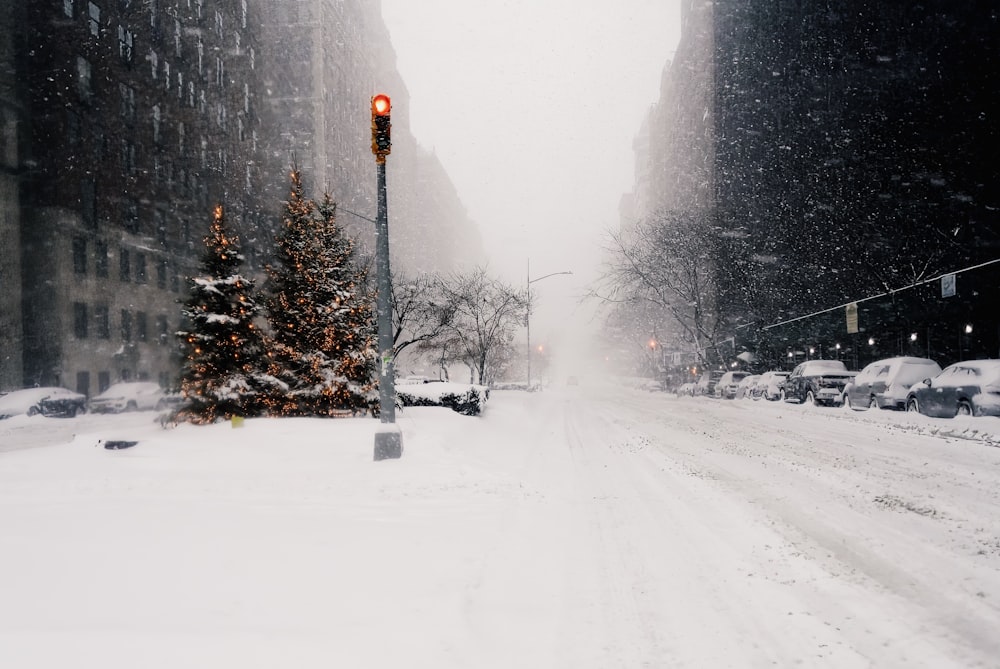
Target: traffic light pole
(388, 438)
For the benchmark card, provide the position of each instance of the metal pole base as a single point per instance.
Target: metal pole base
(388, 442)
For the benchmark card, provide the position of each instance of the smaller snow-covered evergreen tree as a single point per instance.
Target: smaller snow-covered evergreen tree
(223, 349)
(322, 347)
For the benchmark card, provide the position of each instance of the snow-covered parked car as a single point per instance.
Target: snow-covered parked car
(49, 401)
(817, 382)
(884, 384)
(728, 384)
(769, 385)
(465, 398)
(970, 388)
(746, 386)
(129, 396)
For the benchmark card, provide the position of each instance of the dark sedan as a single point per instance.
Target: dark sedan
(970, 388)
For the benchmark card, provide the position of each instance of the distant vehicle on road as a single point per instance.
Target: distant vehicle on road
(48, 401)
(817, 382)
(884, 384)
(129, 396)
(970, 388)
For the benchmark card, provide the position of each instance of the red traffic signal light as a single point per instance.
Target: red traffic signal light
(381, 125)
(381, 105)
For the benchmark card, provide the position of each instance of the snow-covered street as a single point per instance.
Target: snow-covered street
(587, 526)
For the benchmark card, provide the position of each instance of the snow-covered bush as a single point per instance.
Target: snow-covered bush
(467, 399)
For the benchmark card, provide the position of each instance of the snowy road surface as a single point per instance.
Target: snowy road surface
(584, 527)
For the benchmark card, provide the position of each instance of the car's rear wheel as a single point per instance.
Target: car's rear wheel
(912, 405)
(810, 398)
(965, 408)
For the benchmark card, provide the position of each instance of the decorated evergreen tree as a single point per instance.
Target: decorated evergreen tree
(223, 349)
(322, 349)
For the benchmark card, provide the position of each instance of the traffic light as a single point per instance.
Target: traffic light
(381, 142)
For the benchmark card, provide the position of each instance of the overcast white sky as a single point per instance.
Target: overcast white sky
(532, 106)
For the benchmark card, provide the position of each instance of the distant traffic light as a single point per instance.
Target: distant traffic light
(381, 141)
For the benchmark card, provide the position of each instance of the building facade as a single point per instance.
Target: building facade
(123, 123)
(840, 152)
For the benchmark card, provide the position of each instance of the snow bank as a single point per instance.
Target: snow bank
(467, 399)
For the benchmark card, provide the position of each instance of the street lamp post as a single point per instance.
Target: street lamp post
(527, 317)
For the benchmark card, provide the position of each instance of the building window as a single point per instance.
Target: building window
(128, 156)
(102, 321)
(68, 8)
(88, 204)
(177, 37)
(103, 381)
(161, 275)
(161, 228)
(218, 23)
(237, 41)
(180, 135)
(141, 330)
(180, 85)
(80, 320)
(83, 383)
(220, 71)
(79, 255)
(201, 57)
(243, 13)
(124, 266)
(72, 128)
(246, 98)
(190, 94)
(202, 102)
(175, 281)
(95, 19)
(83, 85)
(140, 268)
(154, 63)
(198, 6)
(156, 123)
(125, 42)
(126, 325)
(241, 130)
(253, 58)
(154, 13)
(101, 259)
(161, 329)
(132, 217)
(127, 94)
(166, 74)
(220, 115)
(204, 152)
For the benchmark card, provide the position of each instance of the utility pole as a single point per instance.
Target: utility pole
(388, 438)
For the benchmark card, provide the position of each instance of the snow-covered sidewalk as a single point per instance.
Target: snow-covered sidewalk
(585, 527)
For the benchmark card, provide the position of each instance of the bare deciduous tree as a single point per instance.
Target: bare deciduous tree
(487, 313)
(666, 262)
(421, 311)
